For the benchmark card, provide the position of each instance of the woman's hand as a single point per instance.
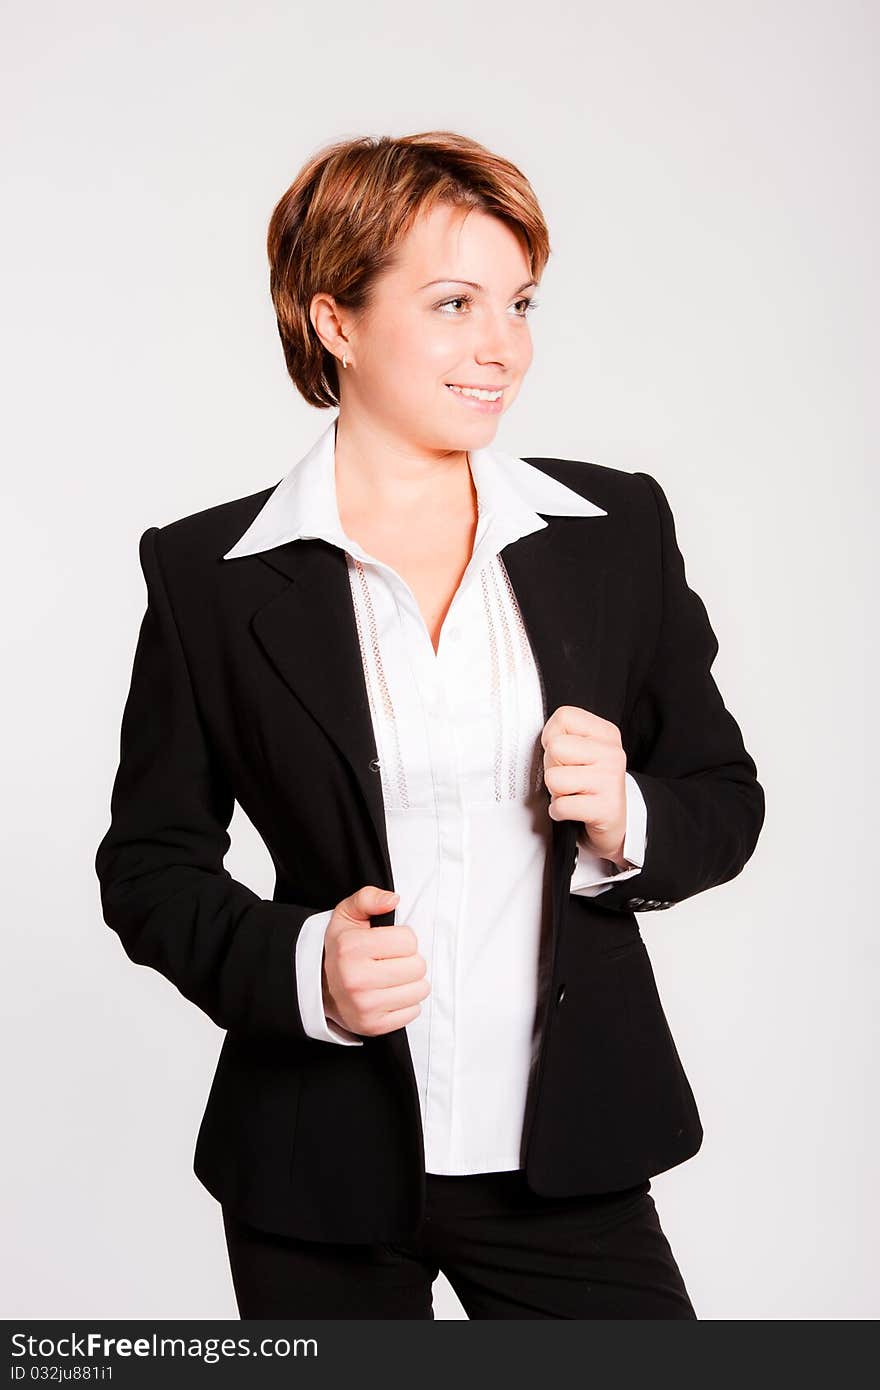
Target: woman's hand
(373, 978)
(585, 774)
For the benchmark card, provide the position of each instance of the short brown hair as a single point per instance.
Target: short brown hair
(338, 226)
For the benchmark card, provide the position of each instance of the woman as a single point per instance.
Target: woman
(421, 664)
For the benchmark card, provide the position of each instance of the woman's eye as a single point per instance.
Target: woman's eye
(528, 304)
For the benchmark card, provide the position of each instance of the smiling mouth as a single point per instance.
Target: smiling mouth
(480, 393)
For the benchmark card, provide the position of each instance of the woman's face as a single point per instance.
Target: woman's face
(417, 338)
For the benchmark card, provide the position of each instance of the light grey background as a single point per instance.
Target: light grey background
(709, 315)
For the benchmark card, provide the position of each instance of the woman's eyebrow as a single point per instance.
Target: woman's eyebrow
(450, 280)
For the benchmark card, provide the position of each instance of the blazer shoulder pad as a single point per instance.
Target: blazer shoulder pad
(615, 489)
(206, 535)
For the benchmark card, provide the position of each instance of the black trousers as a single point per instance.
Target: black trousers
(507, 1252)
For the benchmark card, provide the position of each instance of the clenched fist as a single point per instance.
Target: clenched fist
(373, 979)
(585, 774)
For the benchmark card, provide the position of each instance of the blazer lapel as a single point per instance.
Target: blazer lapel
(559, 583)
(308, 632)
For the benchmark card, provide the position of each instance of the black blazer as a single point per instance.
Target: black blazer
(247, 685)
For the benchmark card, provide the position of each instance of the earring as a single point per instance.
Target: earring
(344, 363)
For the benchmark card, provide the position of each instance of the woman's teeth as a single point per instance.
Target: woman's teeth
(478, 395)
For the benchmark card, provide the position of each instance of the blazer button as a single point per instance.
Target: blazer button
(374, 765)
(560, 994)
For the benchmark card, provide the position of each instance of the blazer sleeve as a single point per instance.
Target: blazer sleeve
(705, 805)
(163, 887)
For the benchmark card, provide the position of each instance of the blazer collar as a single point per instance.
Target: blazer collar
(510, 495)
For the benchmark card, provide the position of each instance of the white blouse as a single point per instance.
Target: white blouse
(458, 735)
